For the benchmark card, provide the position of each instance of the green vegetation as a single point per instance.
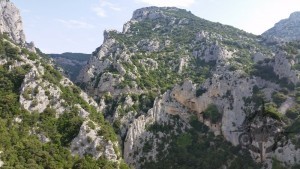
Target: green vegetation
(271, 111)
(32, 56)
(199, 149)
(51, 74)
(265, 71)
(212, 113)
(276, 164)
(184, 140)
(21, 150)
(278, 98)
(20, 140)
(293, 112)
(291, 47)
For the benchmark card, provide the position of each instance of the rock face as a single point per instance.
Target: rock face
(283, 68)
(1, 162)
(11, 22)
(286, 29)
(37, 94)
(138, 134)
(89, 142)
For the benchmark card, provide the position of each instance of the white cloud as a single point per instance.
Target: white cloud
(101, 8)
(75, 24)
(172, 3)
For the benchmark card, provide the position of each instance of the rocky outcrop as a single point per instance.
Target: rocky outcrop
(90, 142)
(283, 68)
(11, 22)
(286, 29)
(149, 45)
(37, 94)
(138, 134)
(151, 13)
(214, 52)
(1, 162)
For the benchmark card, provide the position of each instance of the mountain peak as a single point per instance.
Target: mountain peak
(154, 12)
(11, 21)
(286, 29)
(295, 15)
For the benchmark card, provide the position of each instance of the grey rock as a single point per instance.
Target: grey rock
(283, 68)
(11, 22)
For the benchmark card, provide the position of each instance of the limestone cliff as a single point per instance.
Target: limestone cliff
(11, 22)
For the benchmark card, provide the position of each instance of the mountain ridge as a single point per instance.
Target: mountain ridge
(168, 67)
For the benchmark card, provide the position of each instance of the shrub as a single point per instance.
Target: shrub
(91, 125)
(292, 113)
(278, 98)
(184, 140)
(89, 139)
(34, 103)
(36, 90)
(27, 93)
(200, 91)
(212, 113)
(271, 111)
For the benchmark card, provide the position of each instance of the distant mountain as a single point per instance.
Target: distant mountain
(71, 63)
(286, 29)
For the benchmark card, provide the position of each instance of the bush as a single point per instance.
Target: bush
(27, 93)
(197, 125)
(292, 113)
(278, 98)
(68, 125)
(212, 113)
(271, 111)
(200, 91)
(34, 103)
(91, 125)
(36, 90)
(184, 140)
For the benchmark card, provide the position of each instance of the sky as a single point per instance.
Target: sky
(57, 26)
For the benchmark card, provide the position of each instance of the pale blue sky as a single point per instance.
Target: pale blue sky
(58, 26)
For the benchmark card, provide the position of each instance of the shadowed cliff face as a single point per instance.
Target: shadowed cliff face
(71, 63)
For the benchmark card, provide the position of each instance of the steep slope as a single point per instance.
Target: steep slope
(71, 63)
(286, 29)
(45, 120)
(171, 79)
